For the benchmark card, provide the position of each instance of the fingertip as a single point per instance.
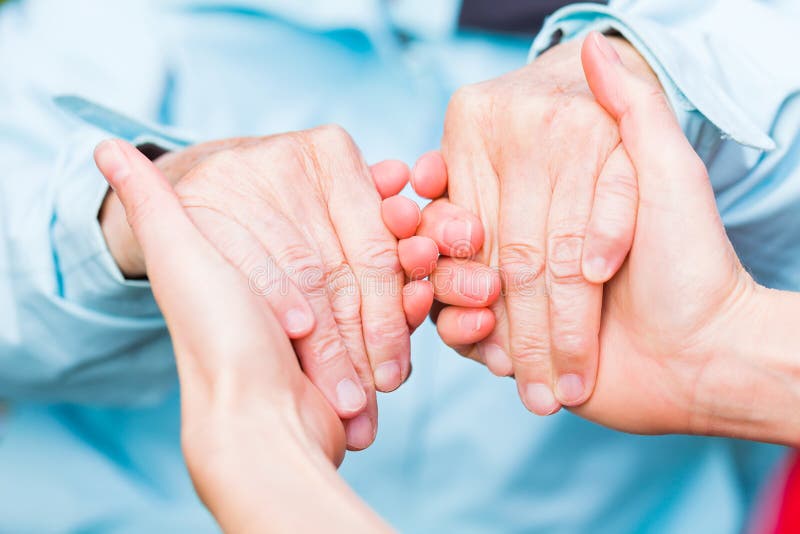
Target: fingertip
(469, 284)
(390, 177)
(401, 216)
(429, 175)
(388, 376)
(457, 232)
(418, 256)
(297, 322)
(360, 432)
(112, 162)
(496, 359)
(571, 390)
(538, 398)
(464, 326)
(596, 269)
(599, 61)
(417, 302)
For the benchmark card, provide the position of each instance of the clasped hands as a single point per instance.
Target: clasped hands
(581, 252)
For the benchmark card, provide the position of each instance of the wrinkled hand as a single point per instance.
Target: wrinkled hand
(300, 216)
(540, 163)
(682, 294)
(260, 441)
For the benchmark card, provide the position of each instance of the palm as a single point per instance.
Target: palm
(656, 330)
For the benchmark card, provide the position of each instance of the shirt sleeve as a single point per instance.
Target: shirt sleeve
(729, 70)
(72, 329)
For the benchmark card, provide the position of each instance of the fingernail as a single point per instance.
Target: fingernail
(359, 432)
(111, 160)
(470, 321)
(539, 399)
(596, 269)
(388, 376)
(351, 396)
(297, 322)
(457, 234)
(570, 389)
(605, 46)
(496, 359)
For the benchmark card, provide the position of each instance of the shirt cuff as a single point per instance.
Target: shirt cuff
(696, 98)
(88, 273)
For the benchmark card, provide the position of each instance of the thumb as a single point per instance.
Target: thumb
(649, 130)
(204, 299)
(151, 206)
(677, 213)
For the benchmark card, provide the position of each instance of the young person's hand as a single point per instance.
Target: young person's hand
(260, 441)
(300, 216)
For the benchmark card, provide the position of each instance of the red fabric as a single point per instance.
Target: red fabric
(789, 514)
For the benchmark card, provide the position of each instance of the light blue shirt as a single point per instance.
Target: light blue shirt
(89, 434)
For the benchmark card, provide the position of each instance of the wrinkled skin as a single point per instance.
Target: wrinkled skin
(300, 216)
(539, 162)
(672, 315)
(260, 441)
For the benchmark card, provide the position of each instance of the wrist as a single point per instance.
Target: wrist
(117, 232)
(119, 237)
(751, 387)
(255, 469)
(563, 61)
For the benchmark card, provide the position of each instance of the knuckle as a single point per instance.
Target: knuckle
(289, 152)
(331, 132)
(385, 330)
(618, 188)
(264, 278)
(305, 266)
(328, 348)
(564, 256)
(572, 345)
(610, 233)
(530, 356)
(288, 145)
(328, 149)
(346, 308)
(340, 280)
(379, 268)
(468, 102)
(466, 97)
(380, 254)
(331, 139)
(531, 345)
(521, 267)
(614, 224)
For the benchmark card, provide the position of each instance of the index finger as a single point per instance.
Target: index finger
(371, 251)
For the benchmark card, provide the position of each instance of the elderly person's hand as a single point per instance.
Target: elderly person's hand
(689, 343)
(540, 164)
(260, 441)
(300, 216)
